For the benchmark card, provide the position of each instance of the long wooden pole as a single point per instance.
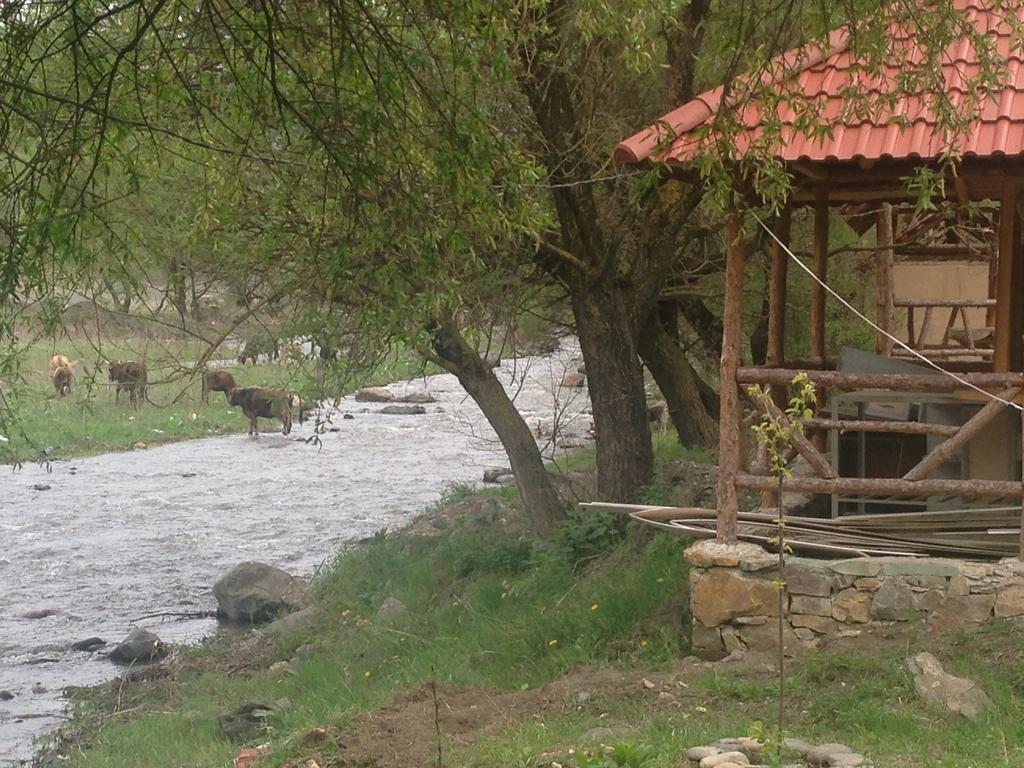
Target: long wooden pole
(889, 427)
(900, 382)
(886, 486)
(821, 272)
(821, 214)
(1002, 360)
(777, 291)
(1020, 552)
(884, 281)
(730, 413)
(970, 429)
(777, 281)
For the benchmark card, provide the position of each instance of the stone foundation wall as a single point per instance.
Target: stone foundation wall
(735, 600)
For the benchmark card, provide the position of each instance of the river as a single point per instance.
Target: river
(119, 536)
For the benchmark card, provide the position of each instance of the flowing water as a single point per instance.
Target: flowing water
(102, 541)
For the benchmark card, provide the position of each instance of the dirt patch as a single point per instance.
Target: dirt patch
(404, 732)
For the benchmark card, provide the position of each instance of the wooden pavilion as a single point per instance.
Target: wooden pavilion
(864, 164)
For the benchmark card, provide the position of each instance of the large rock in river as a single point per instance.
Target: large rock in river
(374, 395)
(256, 592)
(141, 645)
(403, 410)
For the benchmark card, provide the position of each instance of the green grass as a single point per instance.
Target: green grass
(492, 608)
(37, 425)
(486, 608)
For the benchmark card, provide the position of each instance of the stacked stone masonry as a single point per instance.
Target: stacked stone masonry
(735, 599)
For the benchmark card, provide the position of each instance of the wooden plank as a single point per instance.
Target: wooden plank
(897, 487)
(944, 354)
(944, 303)
(730, 414)
(944, 452)
(884, 281)
(893, 427)
(911, 333)
(821, 216)
(1002, 360)
(803, 446)
(941, 251)
(900, 382)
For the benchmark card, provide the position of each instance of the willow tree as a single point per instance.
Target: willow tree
(346, 153)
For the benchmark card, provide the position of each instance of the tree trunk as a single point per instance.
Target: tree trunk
(177, 286)
(536, 488)
(676, 379)
(625, 458)
(197, 312)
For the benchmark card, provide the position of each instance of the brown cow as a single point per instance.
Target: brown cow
(131, 377)
(217, 381)
(62, 377)
(266, 403)
(60, 361)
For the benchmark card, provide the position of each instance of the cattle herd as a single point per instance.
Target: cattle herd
(131, 377)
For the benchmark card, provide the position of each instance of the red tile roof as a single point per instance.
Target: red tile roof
(899, 130)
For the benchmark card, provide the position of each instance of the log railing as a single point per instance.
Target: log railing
(1004, 387)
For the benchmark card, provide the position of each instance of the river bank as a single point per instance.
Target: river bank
(96, 542)
(89, 422)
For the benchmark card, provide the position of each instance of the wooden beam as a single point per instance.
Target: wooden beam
(821, 215)
(1003, 359)
(944, 303)
(894, 427)
(730, 414)
(1020, 551)
(924, 328)
(884, 300)
(940, 251)
(993, 285)
(777, 290)
(803, 446)
(899, 382)
(869, 486)
(970, 429)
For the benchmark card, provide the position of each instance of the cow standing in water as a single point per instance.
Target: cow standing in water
(130, 377)
(266, 403)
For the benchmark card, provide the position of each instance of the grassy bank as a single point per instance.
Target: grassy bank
(510, 651)
(38, 425)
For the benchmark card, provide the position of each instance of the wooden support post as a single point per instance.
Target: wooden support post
(821, 271)
(821, 213)
(777, 291)
(924, 329)
(730, 413)
(993, 284)
(1008, 236)
(777, 317)
(971, 427)
(1020, 553)
(884, 299)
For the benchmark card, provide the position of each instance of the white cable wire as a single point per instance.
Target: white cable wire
(885, 333)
